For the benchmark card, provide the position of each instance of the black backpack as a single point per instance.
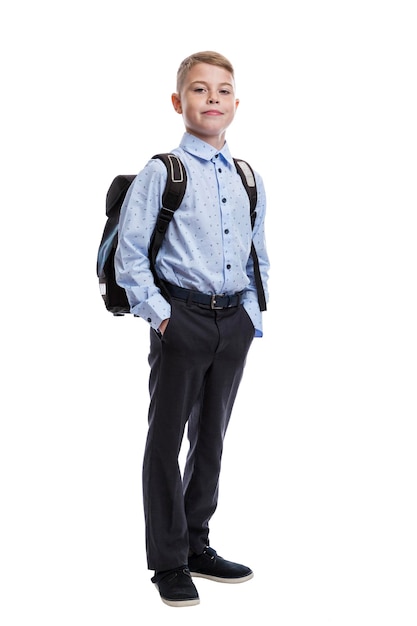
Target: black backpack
(113, 295)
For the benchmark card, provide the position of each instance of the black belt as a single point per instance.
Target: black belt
(216, 301)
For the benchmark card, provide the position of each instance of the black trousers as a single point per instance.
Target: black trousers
(196, 369)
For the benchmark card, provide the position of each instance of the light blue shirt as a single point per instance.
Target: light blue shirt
(207, 244)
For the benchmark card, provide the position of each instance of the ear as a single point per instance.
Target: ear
(236, 104)
(176, 102)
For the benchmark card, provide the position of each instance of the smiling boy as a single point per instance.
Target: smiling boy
(197, 351)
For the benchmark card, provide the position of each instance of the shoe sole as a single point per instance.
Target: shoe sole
(179, 603)
(217, 579)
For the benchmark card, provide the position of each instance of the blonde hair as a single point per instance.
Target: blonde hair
(212, 58)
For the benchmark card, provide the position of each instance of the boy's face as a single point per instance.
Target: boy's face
(207, 102)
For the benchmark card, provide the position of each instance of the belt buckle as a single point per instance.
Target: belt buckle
(213, 302)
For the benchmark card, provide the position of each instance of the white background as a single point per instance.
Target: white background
(318, 490)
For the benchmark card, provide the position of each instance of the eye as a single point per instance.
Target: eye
(199, 89)
(225, 92)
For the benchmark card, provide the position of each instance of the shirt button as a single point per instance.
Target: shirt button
(228, 266)
(217, 156)
(149, 320)
(224, 200)
(220, 170)
(226, 232)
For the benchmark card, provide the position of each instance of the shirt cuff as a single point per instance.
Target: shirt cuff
(252, 309)
(154, 310)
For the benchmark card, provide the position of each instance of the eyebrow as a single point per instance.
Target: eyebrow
(203, 82)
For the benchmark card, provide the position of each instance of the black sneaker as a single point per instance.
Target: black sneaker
(176, 587)
(210, 565)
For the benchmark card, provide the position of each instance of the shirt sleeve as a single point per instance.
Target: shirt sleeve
(250, 297)
(137, 220)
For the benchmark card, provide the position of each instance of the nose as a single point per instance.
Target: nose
(213, 99)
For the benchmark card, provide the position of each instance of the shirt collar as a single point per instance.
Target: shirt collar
(203, 150)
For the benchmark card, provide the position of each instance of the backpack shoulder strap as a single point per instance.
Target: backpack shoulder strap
(176, 182)
(248, 179)
(171, 199)
(247, 175)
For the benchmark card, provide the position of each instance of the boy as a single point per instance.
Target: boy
(199, 340)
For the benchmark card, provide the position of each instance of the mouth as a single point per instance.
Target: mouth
(212, 112)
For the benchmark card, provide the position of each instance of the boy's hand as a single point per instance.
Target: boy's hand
(163, 325)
